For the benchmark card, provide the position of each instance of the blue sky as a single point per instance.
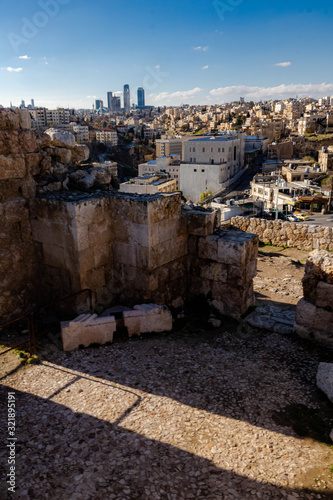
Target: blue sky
(69, 52)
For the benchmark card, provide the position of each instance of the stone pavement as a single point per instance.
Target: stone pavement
(190, 415)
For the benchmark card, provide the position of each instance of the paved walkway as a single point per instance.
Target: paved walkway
(191, 415)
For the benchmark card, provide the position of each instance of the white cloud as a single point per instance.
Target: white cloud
(205, 67)
(11, 70)
(179, 95)
(91, 97)
(201, 48)
(283, 64)
(24, 57)
(157, 66)
(302, 90)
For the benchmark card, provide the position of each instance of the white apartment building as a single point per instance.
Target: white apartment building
(109, 137)
(172, 146)
(168, 164)
(42, 117)
(81, 133)
(211, 164)
(149, 184)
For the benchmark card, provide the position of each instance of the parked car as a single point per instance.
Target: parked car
(292, 218)
(301, 216)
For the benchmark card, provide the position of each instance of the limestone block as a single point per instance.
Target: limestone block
(25, 119)
(102, 254)
(94, 279)
(12, 167)
(33, 161)
(87, 329)
(125, 254)
(214, 271)
(9, 120)
(325, 379)
(54, 256)
(200, 223)
(42, 140)
(27, 141)
(236, 248)
(207, 247)
(132, 321)
(319, 267)
(102, 177)
(16, 210)
(80, 152)
(324, 295)
(148, 318)
(62, 155)
(164, 206)
(9, 143)
(314, 322)
(100, 232)
(137, 234)
(90, 212)
(60, 138)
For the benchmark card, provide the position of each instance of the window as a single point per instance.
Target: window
(193, 150)
(219, 150)
(203, 170)
(190, 160)
(195, 170)
(194, 160)
(212, 150)
(203, 150)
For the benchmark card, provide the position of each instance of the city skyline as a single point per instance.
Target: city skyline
(207, 54)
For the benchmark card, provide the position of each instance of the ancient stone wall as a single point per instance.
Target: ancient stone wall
(124, 248)
(29, 164)
(128, 249)
(291, 234)
(222, 268)
(314, 313)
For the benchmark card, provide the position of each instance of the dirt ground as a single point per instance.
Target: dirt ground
(279, 276)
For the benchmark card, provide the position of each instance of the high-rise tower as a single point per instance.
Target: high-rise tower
(141, 97)
(127, 98)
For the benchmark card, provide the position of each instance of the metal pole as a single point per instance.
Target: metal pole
(277, 198)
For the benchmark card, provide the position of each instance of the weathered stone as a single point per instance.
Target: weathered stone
(87, 329)
(9, 120)
(12, 167)
(325, 379)
(147, 318)
(25, 119)
(80, 152)
(62, 155)
(61, 139)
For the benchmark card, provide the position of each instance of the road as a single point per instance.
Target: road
(320, 220)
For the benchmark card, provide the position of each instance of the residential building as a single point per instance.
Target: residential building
(150, 184)
(325, 159)
(211, 164)
(109, 137)
(170, 165)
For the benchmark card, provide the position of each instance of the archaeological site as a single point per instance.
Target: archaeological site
(170, 374)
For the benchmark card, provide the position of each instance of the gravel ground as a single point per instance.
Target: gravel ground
(231, 413)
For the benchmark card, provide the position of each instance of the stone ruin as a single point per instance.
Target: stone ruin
(314, 313)
(128, 249)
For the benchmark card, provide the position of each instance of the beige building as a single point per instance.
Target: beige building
(164, 164)
(211, 164)
(149, 184)
(107, 137)
(325, 158)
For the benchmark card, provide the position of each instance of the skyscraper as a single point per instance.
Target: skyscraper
(141, 97)
(98, 104)
(127, 98)
(109, 95)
